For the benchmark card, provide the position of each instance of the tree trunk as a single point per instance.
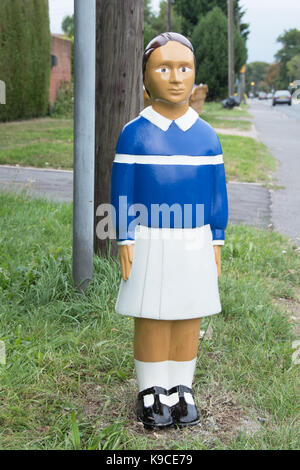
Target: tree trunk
(169, 16)
(119, 88)
(230, 49)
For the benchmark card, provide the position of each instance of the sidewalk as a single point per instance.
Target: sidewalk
(248, 203)
(279, 129)
(55, 185)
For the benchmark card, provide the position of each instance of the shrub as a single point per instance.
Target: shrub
(25, 45)
(64, 104)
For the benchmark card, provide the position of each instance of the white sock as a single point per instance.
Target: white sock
(181, 373)
(166, 374)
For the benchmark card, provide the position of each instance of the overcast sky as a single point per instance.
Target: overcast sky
(268, 19)
(58, 9)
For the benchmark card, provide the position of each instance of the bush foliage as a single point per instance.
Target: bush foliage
(25, 45)
(64, 104)
(210, 40)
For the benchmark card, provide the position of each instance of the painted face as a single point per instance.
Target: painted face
(170, 73)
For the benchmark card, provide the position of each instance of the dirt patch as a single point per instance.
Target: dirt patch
(227, 131)
(234, 118)
(221, 416)
(90, 400)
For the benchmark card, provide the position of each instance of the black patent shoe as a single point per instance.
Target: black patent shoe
(156, 416)
(183, 413)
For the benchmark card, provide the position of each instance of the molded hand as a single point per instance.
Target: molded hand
(126, 253)
(217, 250)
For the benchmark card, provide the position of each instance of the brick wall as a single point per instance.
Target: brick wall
(62, 49)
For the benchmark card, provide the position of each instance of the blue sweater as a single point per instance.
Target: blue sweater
(159, 161)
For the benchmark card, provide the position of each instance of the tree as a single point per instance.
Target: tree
(119, 87)
(25, 58)
(242, 27)
(210, 43)
(157, 24)
(193, 11)
(256, 72)
(68, 26)
(272, 75)
(263, 86)
(290, 40)
(148, 19)
(293, 67)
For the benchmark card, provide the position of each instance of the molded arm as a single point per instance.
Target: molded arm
(126, 253)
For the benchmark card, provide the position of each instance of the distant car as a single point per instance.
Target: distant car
(251, 95)
(262, 95)
(270, 96)
(282, 97)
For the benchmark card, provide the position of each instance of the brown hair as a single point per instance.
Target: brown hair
(160, 41)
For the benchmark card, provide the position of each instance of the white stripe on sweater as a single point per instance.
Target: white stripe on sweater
(169, 160)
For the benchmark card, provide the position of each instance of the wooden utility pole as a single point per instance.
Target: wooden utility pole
(169, 16)
(119, 87)
(230, 48)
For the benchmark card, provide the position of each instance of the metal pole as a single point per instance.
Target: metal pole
(243, 82)
(169, 15)
(84, 141)
(239, 85)
(230, 49)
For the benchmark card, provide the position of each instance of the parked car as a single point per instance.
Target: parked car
(262, 95)
(270, 96)
(282, 97)
(251, 95)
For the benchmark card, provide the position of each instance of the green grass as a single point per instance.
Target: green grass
(48, 143)
(228, 123)
(217, 110)
(247, 160)
(43, 143)
(218, 117)
(69, 380)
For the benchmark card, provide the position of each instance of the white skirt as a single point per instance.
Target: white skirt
(173, 275)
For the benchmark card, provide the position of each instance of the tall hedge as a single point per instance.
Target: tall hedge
(25, 48)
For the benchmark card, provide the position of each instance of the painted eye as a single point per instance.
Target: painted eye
(163, 70)
(185, 69)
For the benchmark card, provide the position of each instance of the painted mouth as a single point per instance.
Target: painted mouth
(176, 90)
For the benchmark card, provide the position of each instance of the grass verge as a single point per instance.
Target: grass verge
(42, 143)
(247, 160)
(69, 381)
(218, 117)
(48, 143)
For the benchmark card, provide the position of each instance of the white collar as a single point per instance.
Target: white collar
(184, 122)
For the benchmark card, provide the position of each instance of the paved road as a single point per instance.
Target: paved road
(248, 203)
(290, 111)
(54, 185)
(279, 129)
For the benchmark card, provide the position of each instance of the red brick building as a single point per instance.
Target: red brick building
(61, 64)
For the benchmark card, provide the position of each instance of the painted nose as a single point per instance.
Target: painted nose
(175, 76)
